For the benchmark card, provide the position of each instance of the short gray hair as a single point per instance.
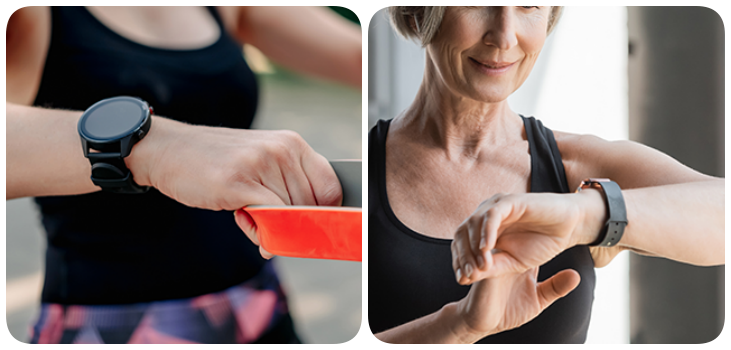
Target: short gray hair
(427, 20)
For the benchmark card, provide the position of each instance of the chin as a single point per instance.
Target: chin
(490, 96)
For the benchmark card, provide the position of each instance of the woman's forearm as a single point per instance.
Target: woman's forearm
(682, 222)
(43, 153)
(441, 327)
(45, 156)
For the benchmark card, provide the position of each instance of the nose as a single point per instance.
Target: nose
(501, 28)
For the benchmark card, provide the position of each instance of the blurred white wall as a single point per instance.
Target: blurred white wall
(579, 85)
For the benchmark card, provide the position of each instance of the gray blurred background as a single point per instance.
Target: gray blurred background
(325, 296)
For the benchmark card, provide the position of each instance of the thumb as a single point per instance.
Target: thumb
(557, 286)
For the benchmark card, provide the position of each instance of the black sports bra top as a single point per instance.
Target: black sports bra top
(111, 248)
(410, 275)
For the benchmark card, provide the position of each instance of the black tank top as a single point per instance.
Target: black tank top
(410, 275)
(111, 248)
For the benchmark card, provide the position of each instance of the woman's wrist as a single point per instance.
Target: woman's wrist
(460, 331)
(593, 210)
(147, 153)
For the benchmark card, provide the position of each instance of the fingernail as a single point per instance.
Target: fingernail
(459, 275)
(468, 270)
(483, 242)
(480, 261)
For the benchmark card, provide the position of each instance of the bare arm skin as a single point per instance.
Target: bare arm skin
(28, 35)
(673, 212)
(43, 154)
(305, 39)
(492, 306)
(212, 168)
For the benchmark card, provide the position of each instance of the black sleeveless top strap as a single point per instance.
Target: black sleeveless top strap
(115, 249)
(410, 275)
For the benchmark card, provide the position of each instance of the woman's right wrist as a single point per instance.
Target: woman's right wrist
(460, 331)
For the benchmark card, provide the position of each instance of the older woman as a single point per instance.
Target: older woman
(436, 176)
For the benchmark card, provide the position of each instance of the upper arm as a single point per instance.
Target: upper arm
(629, 164)
(311, 40)
(28, 35)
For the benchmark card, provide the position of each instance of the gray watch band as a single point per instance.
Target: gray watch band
(616, 211)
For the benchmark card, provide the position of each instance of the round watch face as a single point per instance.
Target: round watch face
(113, 118)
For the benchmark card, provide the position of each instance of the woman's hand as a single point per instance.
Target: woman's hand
(516, 232)
(226, 169)
(502, 303)
(492, 306)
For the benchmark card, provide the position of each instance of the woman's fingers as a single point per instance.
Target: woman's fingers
(298, 186)
(249, 196)
(474, 241)
(273, 180)
(247, 224)
(265, 254)
(557, 286)
(475, 232)
(325, 185)
(467, 262)
(483, 232)
(492, 221)
(456, 266)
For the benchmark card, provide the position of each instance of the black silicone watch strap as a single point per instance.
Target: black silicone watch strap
(108, 130)
(616, 212)
(111, 174)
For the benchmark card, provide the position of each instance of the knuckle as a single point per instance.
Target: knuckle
(281, 145)
(492, 212)
(292, 139)
(330, 193)
(475, 220)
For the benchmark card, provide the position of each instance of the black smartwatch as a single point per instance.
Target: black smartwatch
(108, 130)
(616, 211)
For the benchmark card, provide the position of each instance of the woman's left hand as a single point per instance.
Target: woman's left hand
(512, 233)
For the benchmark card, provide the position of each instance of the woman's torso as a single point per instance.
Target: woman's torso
(410, 274)
(112, 249)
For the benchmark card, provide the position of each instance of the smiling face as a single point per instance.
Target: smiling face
(486, 53)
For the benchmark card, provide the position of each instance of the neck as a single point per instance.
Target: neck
(458, 125)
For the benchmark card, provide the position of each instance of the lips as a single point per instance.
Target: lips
(493, 64)
(492, 68)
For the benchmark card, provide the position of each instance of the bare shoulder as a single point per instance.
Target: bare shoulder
(242, 21)
(231, 17)
(28, 35)
(587, 150)
(629, 163)
(26, 17)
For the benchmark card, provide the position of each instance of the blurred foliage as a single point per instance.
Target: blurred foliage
(349, 15)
